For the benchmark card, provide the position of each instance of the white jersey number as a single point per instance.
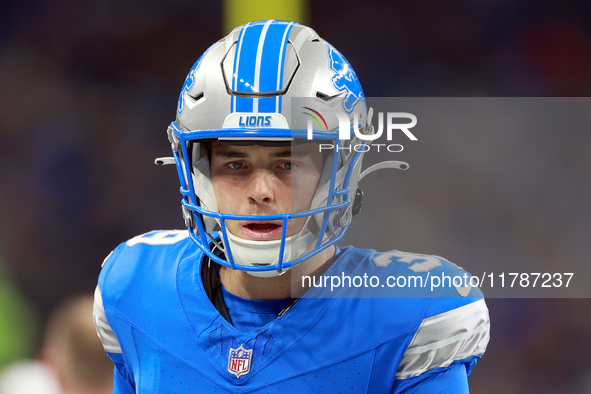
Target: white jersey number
(159, 238)
(424, 263)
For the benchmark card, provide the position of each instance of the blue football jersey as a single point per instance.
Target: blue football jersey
(164, 335)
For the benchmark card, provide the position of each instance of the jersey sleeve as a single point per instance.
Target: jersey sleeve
(123, 381)
(444, 349)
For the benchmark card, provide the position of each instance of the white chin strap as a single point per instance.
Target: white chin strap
(264, 253)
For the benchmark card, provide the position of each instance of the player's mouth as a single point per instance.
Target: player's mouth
(262, 231)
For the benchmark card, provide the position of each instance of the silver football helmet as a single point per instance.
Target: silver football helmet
(280, 83)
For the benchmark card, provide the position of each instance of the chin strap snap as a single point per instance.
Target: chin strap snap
(357, 202)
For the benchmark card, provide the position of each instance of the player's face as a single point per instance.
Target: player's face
(257, 180)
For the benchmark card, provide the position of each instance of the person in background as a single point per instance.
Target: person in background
(74, 352)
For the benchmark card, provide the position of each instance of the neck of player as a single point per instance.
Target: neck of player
(244, 285)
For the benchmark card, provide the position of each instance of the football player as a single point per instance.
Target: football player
(224, 307)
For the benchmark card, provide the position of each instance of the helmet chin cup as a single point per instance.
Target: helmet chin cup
(251, 253)
(268, 274)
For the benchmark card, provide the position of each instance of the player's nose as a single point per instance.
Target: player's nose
(260, 190)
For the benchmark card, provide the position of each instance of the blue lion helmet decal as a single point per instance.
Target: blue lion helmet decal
(190, 80)
(345, 80)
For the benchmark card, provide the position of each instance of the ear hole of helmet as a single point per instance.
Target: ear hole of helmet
(196, 97)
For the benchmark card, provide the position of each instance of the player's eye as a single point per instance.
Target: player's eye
(287, 165)
(236, 165)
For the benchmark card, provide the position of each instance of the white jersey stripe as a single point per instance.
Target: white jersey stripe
(103, 329)
(442, 339)
(429, 360)
(440, 344)
(464, 310)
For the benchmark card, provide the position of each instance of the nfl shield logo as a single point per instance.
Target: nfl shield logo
(239, 361)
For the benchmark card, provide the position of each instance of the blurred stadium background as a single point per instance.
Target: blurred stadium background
(88, 88)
